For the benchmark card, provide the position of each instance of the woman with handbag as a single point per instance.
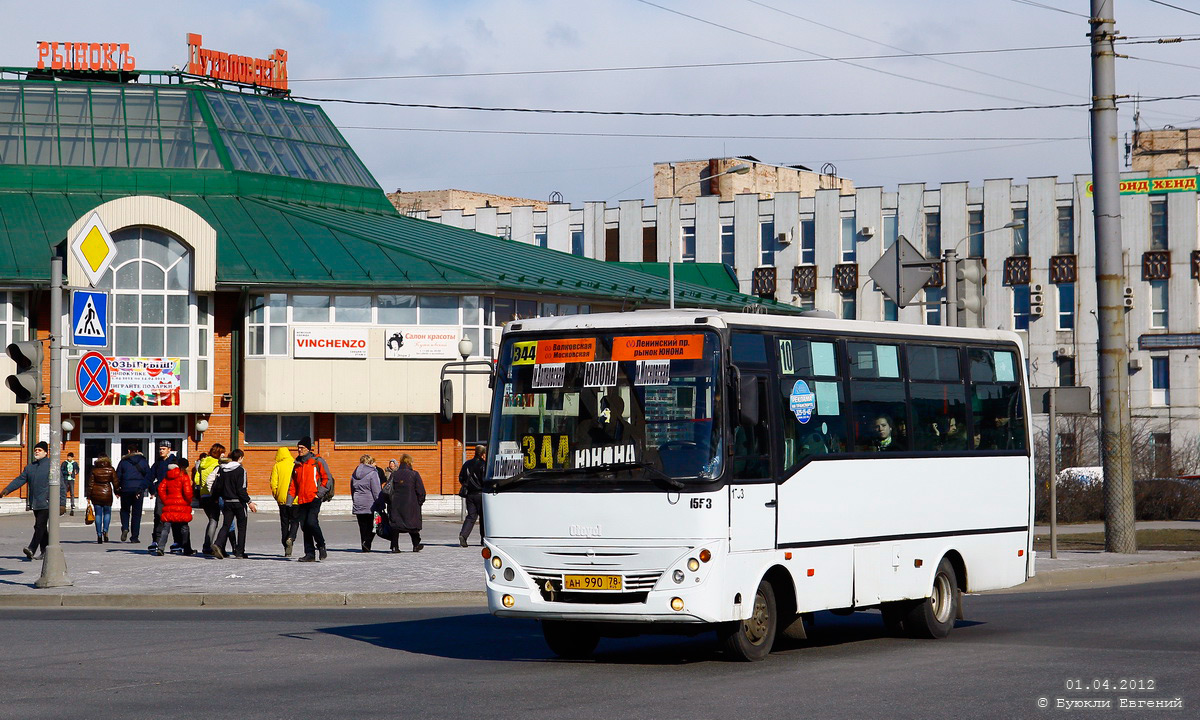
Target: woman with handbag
(364, 492)
(101, 487)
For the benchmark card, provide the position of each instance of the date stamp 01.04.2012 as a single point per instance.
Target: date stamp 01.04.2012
(1117, 693)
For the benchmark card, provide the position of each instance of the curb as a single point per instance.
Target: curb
(1059, 579)
(164, 601)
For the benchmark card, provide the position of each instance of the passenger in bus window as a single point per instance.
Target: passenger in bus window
(885, 436)
(948, 433)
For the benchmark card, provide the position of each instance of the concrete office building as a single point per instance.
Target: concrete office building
(815, 252)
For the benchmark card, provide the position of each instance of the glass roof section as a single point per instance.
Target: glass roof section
(86, 125)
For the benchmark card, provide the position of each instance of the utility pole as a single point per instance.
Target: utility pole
(54, 563)
(1115, 441)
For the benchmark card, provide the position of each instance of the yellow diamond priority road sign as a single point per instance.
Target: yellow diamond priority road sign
(93, 249)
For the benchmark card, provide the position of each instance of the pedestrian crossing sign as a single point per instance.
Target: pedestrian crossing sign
(89, 319)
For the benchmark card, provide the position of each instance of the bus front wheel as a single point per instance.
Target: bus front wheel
(751, 639)
(934, 616)
(570, 640)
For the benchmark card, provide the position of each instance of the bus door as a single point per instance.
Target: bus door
(752, 488)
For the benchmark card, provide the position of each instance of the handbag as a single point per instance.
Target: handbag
(90, 516)
(383, 528)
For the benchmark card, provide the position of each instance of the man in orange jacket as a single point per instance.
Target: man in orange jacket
(311, 485)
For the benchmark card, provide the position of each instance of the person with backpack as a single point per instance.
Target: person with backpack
(133, 480)
(206, 468)
(175, 495)
(312, 484)
(231, 486)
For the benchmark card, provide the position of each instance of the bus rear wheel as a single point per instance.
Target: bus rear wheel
(570, 640)
(934, 616)
(750, 640)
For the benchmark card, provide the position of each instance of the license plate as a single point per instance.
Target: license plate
(591, 582)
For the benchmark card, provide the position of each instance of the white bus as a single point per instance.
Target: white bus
(689, 470)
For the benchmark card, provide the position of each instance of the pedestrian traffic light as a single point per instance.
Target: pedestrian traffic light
(969, 279)
(26, 383)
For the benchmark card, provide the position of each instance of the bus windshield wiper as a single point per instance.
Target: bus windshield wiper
(652, 472)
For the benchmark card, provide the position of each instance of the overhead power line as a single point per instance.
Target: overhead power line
(1175, 7)
(1044, 6)
(685, 136)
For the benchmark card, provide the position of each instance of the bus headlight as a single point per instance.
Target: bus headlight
(496, 563)
(676, 604)
(677, 576)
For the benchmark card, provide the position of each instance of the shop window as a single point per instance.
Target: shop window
(397, 309)
(310, 308)
(277, 429)
(438, 310)
(380, 429)
(268, 334)
(10, 429)
(352, 309)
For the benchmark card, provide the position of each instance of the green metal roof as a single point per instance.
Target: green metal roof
(717, 276)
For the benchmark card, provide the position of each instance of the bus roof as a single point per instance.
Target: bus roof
(717, 319)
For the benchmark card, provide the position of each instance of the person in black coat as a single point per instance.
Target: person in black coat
(133, 480)
(404, 504)
(470, 477)
(37, 475)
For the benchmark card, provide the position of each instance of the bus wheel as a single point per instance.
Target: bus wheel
(750, 640)
(570, 640)
(934, 616)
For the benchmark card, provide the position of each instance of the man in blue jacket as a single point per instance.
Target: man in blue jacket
(133, 479)
(37, 475)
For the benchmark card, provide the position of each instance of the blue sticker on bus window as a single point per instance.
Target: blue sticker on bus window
(802, 401)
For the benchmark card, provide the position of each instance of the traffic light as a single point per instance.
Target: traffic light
(969, 279)
(26, 383)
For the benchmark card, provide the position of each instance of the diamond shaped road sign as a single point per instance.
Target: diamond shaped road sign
(902, 271)
(93, 249)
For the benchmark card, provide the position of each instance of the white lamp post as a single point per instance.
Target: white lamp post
(465, 348)
(741, 169)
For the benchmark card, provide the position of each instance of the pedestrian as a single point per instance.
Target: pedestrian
(206, 468)
(281, 480)
(69, 475)
(175, 495)
(392, 467)
(166, 458)
(232, 487)
(365, 486)
(101, 487)
(470, 477)
(404, 508)
(133, 479)
(37, 475)
(311, 484)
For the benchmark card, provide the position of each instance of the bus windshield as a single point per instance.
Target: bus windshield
(583, 406)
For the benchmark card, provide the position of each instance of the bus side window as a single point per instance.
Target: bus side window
(751, 443)
(997, 411)
(880, 416)
(811, 399)
(939, 400)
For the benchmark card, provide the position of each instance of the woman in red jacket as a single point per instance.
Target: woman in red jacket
(175, 493)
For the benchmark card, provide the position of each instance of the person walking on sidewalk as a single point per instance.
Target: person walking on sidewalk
(175, 495)
(202, 477)
(166, 458)
(311, 485)
(133, 479)
(281, 480)
(365, 486)
(231, 486)
(470, 477)
(68, 473)
(101, 487)
(404, 506)
(37, 475)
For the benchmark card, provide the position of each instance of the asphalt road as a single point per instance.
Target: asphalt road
(462, 663)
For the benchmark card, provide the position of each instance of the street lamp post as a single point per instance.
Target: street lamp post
(741, 169)
(465, 348)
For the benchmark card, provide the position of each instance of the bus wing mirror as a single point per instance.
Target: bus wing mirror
(447, 401)
(748, 400)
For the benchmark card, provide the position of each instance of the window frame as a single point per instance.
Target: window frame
(278, 440)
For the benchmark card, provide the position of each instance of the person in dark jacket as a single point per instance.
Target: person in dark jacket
(231, 486)
(68, 473)
(470, 477)
(404, 504)
(101, 487)
(37, 475)
(166, 458)
(133, 480)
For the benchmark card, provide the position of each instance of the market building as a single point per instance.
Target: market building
(263, 286)
(814, 250)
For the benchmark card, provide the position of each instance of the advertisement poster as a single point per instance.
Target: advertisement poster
(129, 381)
(406, 342)
(329, 342)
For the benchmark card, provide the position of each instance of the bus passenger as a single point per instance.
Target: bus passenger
(885, 438)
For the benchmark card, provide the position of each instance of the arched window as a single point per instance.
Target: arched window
(155, 313)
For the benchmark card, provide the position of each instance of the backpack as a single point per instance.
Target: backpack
(201, 480)
(217, 488)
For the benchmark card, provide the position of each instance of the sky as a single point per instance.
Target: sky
(763, 56)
